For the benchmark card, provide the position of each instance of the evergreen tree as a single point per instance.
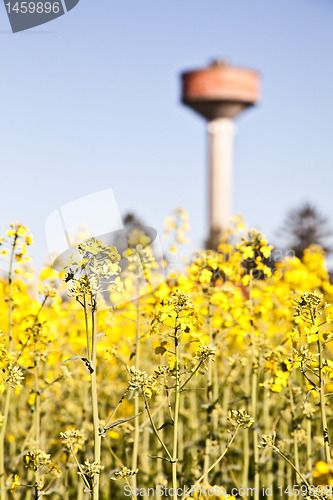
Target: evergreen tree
(305, 225)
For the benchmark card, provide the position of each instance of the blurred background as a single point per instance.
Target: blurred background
(92, 101)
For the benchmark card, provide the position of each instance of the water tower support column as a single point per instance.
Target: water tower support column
(221, 134)
(220, 93)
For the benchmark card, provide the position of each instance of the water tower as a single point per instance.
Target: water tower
(219, 93)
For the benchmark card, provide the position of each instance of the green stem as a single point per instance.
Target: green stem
(97, 437)
(254, 397)
(291, 465)
(37, 398)
(181, 428)
(209, 394)
(159, 465)
(36, 487)
(309, 444)
(116, 409)
(269, 479)
(87, 328)
(79, 467)
(9, 389)
(181, 388)
(175, 423)
(136, 400)
(220, 457)
(224, 426)
(37, 410)
(292, 408)
(2, 443)
(154, 427)
(246, 440)
(131, 489)
(322, 402)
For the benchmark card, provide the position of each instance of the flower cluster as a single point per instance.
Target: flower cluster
(140, 261)
(267, 440)
(14, 377)
(35, 460)
(91, 468)
(240, 418)
(74, 440)
(300, 359)
(308, 306)
(179, 223)
(99, 265)
(4, 356)
(177, 312)
(205, 352)
(125, 472)
(181, 301)
(15, 483)
(140, 380)
(255, 250)
(19, 240)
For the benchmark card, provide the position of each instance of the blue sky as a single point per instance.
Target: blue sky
(92, 101)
